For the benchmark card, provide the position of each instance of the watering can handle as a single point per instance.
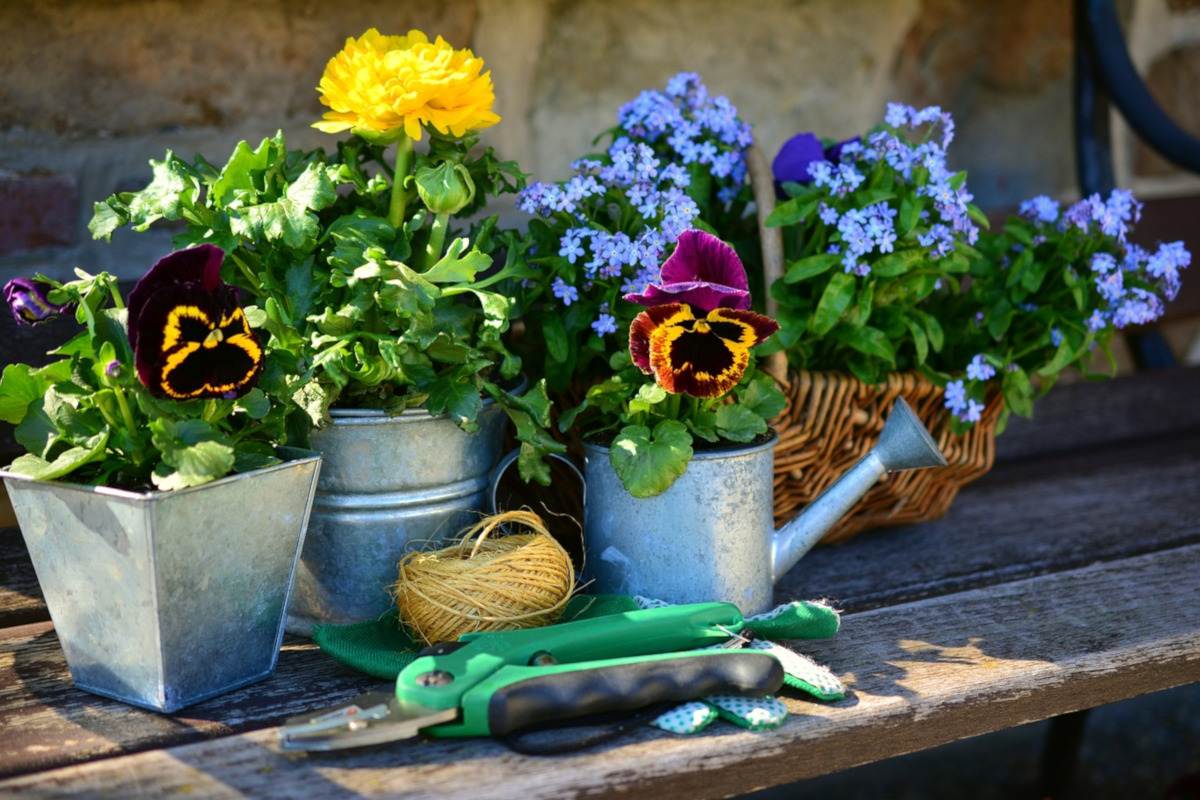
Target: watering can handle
(508, 460)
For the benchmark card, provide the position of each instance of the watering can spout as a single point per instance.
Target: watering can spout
(904, 444)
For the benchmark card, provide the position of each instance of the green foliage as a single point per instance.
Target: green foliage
(373, 298)
(86, 416)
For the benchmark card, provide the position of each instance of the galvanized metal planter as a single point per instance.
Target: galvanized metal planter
(706, 538)
(389, 484)
(164, 599)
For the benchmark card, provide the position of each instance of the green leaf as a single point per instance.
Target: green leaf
(897, 263)
(197, 452)
(64, 464)
(1000, 318)
(312, 190)
(909, 216)
(833, 304)
(555, 336)
(456, 397)
(238, 177)
(1062, 357)
(762, 396)
(738, 424)
(648, 396)
(406, 292)
(920, 339)
(18, 388)
(169, 191)
(789, 212)
(868, 341)
(454, 267)
(937, 337)
(810, 267)
(536, 443)
(254, 403)
(1018, 392)
(284, 221)
(649, 462)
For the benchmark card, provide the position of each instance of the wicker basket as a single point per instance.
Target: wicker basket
(833, 419)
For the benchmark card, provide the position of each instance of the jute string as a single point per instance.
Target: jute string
(522, 580)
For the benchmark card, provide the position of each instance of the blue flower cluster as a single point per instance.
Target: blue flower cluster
(1123, 305)
(698, 128)
(617, 217)
(922, 165)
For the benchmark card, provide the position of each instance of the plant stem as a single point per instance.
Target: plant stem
(437, 239)
(247, 273)
(404, 162)
(130, 425)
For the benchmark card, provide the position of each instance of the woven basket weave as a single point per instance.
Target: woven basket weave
(832, 419)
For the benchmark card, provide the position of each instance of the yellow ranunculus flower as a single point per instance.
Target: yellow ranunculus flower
(380, 85)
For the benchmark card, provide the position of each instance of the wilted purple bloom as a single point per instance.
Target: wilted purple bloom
(703, 272)
(29, 301)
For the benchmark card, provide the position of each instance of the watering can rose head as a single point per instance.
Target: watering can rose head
(697, 335)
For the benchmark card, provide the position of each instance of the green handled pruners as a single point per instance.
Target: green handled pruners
(498, 683)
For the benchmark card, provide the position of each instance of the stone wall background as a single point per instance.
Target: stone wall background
(93, 89)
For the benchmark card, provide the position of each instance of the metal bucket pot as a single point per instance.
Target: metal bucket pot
(706, 538)
(164, 599)
(389, 484)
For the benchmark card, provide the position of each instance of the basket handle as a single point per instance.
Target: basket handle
(762, 181)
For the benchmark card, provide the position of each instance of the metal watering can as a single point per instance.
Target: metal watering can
(711, 536)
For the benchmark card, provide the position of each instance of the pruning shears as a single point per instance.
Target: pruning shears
(498, 683)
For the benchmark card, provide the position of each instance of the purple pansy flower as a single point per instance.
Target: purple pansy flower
(190, 337)
(798, 153)
(703, 272)
(29, 301)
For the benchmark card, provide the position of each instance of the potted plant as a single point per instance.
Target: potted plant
(386, 296)
(677, 161)
(162, 521)
(677, 450)
(895, 286)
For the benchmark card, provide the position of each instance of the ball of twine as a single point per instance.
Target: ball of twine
(522, 580)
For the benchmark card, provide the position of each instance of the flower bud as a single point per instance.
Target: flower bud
(113, 369)
(29, 301)
(446, 188)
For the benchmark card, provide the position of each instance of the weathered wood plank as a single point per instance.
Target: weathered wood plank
(921, 674)
(1086, 414)
(1020, 520)
(20, 596)
(47, 722)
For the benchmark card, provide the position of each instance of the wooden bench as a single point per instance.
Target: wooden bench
(1063, 580)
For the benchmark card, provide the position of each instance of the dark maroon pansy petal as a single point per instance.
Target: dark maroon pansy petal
(701, 295)
(29, 301)
(703, 272)
(701, 257)
(199, 265)
(193, 343)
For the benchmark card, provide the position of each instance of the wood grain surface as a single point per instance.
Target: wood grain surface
(1064, 579)
(920, 674)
